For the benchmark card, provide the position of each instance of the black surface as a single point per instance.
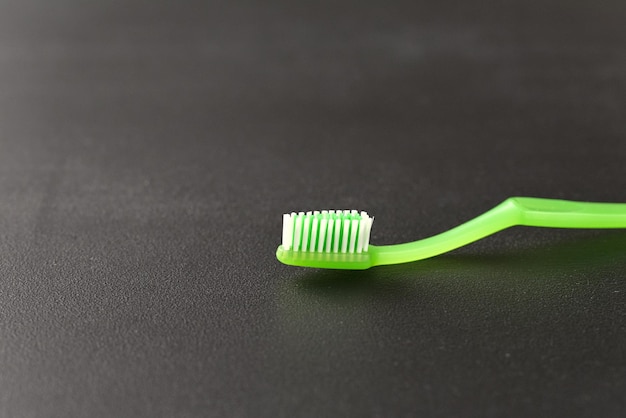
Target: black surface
(147, 152)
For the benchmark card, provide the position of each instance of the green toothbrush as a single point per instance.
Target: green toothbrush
(340, 239)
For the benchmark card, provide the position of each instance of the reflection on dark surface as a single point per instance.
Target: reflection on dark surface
(550, 315)
(540, 265)
(547, 319)
(505, 312)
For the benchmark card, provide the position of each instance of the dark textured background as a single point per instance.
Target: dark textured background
(148, 150)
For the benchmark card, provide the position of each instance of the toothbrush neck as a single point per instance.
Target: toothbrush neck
(502, 216)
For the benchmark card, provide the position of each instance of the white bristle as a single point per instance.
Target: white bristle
(305, 232)
(337, 228)
(287, 230)
(368, 230)
(345, 235)
(361, 237)
(329, 234)
(297, 235)
(330, 231)
(314, 232)
(354, 229)
(322, 237)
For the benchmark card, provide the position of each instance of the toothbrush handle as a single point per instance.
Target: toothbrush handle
(527, 211)
(555, 213)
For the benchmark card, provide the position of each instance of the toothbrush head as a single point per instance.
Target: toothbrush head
(334, 239)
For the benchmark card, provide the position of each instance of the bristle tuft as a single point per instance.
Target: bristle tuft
(331, 231)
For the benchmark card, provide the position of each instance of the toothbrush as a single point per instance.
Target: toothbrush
(339, 239)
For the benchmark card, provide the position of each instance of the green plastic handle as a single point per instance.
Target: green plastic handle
(525, 211)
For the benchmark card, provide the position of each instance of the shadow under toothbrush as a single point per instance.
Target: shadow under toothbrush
(564, 260)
